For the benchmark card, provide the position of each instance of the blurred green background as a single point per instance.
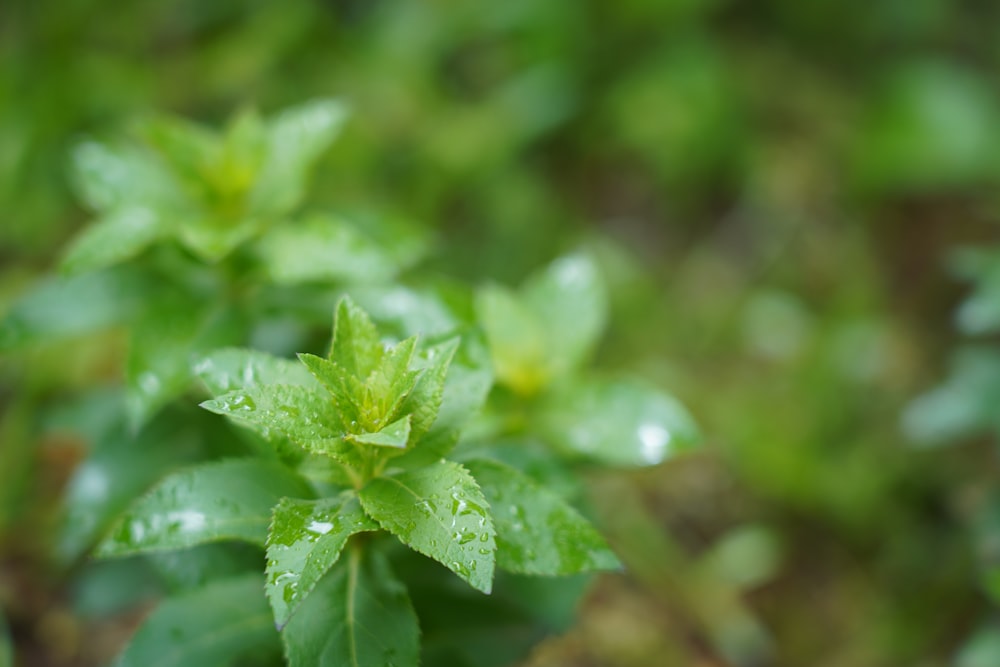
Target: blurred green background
(774, 190)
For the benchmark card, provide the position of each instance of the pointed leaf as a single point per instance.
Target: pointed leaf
(118, 236)
(356, 346)
(358, 616)
(345, 389)
(229, 369)
(229, 500)
(208, 627)
(517, 340)
(391, 382)
(424, 400)
(440, 512)
(394, 435)
(537, 531)
(301, 413)
(306, 539)
(620, 423)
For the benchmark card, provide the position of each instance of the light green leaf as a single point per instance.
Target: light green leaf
(305, 540)
(390, 383)
(67, 306)
(229, 369)
(570, 299)
(394, 435)
(345, 389)
(211, 626)
(301, 413)
(440, 512)
(620, 423)
(323, 248)
(537, 531)
(356, 346)
(116, 237)
(112, 178)
(188, 148)
(212, 239)
(229, 500)
(358, 616)
(295, 138)
(517, 340)
(423, 400)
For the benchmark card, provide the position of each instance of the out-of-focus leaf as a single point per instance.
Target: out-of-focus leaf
(102, 588)
(439, 511)
(305, 541)
(406, 310)
(6, 646)
(110, 179)
(229, 500)
(230, 369)
(325, 249)
(212, 626)
(212, 239)
(516, 337)
(188, 569)
(620, 423)
(569, 299)
(358, 616)
(963, 405)
(982, 650)
(295, 138)
(537, 531)
(71, 305)
(164, 344)
(116, 237)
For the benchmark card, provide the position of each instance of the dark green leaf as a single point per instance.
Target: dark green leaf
(230, 500)
(358, 616)
(6, 646)
(621, 423)
(440, 512)
(208, 627)
(230, 369)
(67, 306)
(537, 531)
(305, 540)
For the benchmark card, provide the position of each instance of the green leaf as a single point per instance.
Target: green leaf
(423, 401)
(295, 138)
(440, 512)
(215, 625)
(301, 413)
(323, 248)
(212, 238)
(537, 531)
(67, 306)
(570, 299)
(230, 369)
(390, 384)
(229, 500)
(346, 389)
(394, 435)
(112, 178)
(358, 616)
(620, 423)
(165, 341)
(116, 237)
(305, 541)
(517, 340)
(6, 645)
(356, 346)
(188, 148)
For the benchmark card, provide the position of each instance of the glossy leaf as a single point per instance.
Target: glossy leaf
(394, 435)
(570, 299)
(324, 249)
(306, 539)
(620, 423)
(208, 627)
(391, 382)
(346, 390)
(230, 500)
(356, 346)
(67, 306)
(116, 237)
(423, 400)
(440, 512)
(537, 531)
(358, 616)
(301, 413)
(230, 369)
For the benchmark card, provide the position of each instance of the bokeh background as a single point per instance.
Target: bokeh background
(776, 191)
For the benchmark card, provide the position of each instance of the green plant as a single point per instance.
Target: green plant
(356, 470)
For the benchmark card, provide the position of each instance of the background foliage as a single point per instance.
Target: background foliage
(775, 191)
